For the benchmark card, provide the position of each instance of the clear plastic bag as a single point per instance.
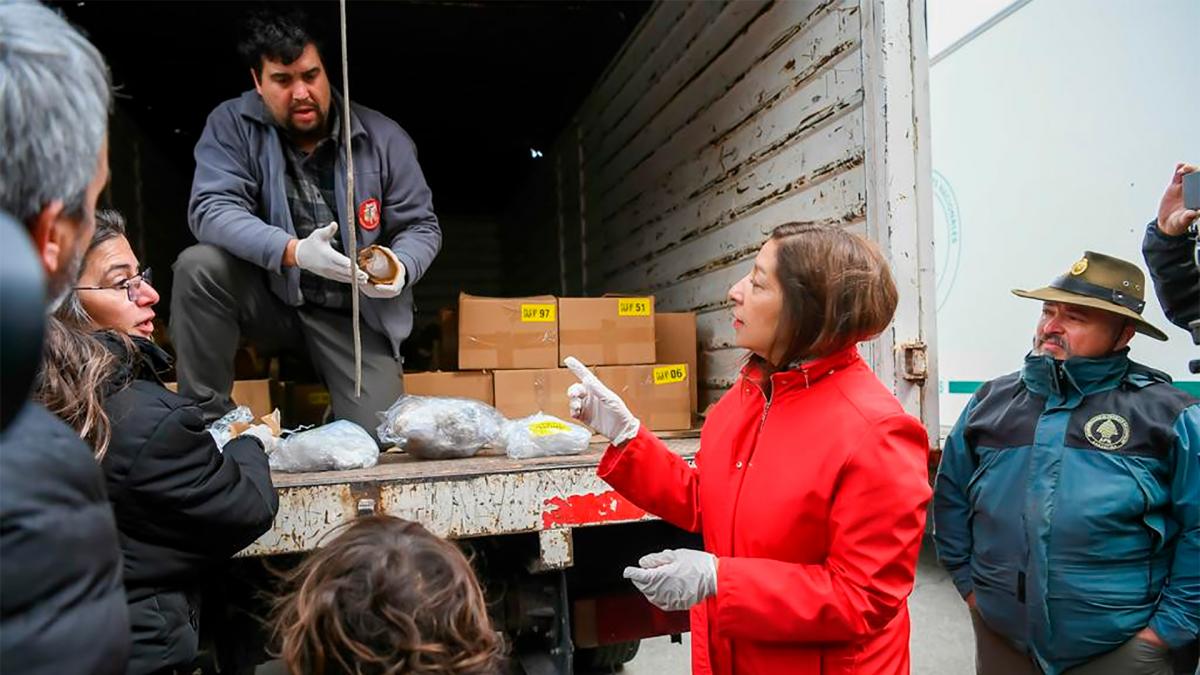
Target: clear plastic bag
(543, 435)
(336, 446)
(434, 427)
(221, 429)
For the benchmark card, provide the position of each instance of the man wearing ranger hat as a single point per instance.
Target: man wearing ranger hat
(1067, 504)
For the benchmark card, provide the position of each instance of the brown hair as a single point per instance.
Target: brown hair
(77, 367)
(385, 597)
(837, 290)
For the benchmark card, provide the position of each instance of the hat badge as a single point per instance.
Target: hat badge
(1079, 267)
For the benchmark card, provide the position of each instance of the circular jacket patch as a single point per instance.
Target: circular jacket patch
(1107, 431)
(368, 214)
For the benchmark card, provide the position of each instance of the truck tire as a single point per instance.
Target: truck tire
(607, 658)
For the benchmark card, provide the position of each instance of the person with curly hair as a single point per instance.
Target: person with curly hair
(386, 597)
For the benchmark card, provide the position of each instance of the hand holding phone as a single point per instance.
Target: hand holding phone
(1180, 205)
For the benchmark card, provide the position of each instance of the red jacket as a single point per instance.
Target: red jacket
(814, 504)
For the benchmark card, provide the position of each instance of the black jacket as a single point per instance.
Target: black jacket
(62, 608)
(181, 504)
(1176, 278)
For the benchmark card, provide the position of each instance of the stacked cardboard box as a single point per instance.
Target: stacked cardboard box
(472, 384)
(510, 352)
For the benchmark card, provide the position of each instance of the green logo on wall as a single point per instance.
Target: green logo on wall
(947, 237)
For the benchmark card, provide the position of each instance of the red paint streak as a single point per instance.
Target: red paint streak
(605, 507)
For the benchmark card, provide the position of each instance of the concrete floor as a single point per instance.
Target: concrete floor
(941, 642)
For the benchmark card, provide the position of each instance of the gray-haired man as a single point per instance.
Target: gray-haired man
(62, 603)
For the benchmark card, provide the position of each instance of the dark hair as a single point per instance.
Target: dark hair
(386, 597)
(837, 290)
(274, 35)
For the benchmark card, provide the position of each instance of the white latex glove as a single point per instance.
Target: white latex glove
(263, 433)
(315, 253)
(598, 407)
(675, 579)
(385, 291)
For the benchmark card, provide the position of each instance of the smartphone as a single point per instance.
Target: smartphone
(1191, 190)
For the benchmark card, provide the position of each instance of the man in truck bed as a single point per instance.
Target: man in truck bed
(270, 179)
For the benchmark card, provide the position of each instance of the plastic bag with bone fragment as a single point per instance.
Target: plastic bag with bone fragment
(435, 427)
(222, 430)
(543, 435)
(336, 446)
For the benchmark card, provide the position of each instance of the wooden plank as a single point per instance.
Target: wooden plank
(638, 49)
(899, 203)
(806, 163)
(752, 69)
(667, 69)
(742, 226)
(728, 68)
(721, 367)
(694, 58)
(759, 112)
(702, 293)
(814, 125)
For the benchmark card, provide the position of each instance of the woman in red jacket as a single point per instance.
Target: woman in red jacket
(810, 485)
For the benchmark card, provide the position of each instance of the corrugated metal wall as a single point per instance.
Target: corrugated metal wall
(717, 122)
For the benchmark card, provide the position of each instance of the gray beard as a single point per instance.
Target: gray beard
(1037, 349)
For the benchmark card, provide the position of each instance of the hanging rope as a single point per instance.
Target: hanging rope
(352, 217)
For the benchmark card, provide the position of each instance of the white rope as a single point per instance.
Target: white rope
(352, 216)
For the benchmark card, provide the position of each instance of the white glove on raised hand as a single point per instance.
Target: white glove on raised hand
(315, 253)
(262, 432)
(386, 291)
(675, 579)
(598, 407)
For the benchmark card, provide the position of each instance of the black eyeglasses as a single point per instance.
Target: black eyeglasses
(131, 286)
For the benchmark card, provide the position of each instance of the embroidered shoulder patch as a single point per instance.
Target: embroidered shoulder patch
(1107, 431)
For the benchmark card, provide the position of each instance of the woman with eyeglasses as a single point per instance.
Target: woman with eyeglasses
(182, 505)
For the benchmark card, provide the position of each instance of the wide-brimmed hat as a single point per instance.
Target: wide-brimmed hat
(1103, 282)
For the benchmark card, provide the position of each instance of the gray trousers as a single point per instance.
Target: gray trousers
(994, 655)
(217, 299)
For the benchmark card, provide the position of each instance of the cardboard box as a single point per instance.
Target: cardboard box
(525, 392)
(657, 395)
(675, 342)
(473, 385)
(609, 331)
(254, 394)
(510, 333)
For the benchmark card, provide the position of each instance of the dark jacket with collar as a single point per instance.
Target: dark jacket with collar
(239, 201)
(1068, 501)
(1176, 277)
(62, 606)
(182, 505)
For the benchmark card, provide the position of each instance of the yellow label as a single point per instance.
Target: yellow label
(670, 374)
(548, 428)
(318, 398)
(538, 313)
(633, 307)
